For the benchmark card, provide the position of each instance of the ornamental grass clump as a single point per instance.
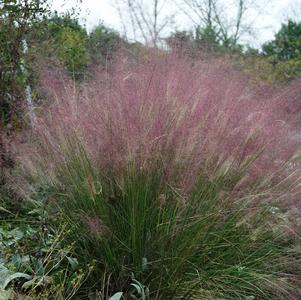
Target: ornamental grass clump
(177, 173)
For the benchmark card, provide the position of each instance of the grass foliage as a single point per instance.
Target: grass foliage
(210, 243)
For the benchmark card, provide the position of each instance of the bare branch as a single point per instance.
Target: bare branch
(212, 14)
(147, 20)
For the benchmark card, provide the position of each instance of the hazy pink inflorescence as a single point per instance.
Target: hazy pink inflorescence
(179, 112)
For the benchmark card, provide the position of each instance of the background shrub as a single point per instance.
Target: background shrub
(70, 41)
(103, 42)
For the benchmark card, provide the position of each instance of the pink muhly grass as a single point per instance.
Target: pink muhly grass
(222, 144)
(190, 116)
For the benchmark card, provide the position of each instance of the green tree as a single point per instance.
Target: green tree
(207, 38)
(16, 21)
(72, 51)
(287, 42)
(103, 42)
(284, 52)
(69, 42)
(58, 22)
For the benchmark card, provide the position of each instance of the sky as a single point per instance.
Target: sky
(266, 20)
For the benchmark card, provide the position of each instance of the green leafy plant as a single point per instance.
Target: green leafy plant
(137, 291)
(33, 261)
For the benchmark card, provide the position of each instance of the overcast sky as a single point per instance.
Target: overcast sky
(266, 22)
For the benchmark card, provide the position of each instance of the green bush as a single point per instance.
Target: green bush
(103, 42)
(71, 50)
(66, 41)
(266, 71)
(287, 42)
(280, 60)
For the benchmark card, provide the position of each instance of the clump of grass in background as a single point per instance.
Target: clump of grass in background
(177, 173)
